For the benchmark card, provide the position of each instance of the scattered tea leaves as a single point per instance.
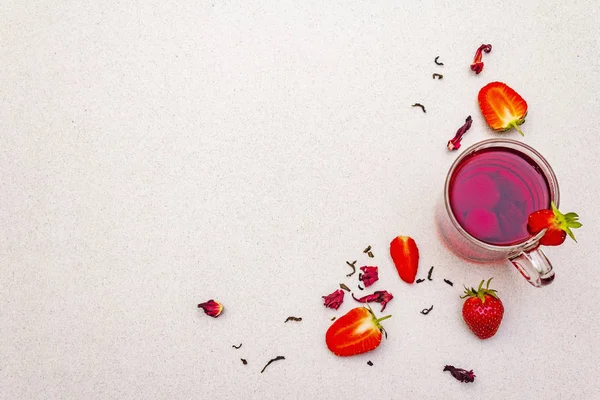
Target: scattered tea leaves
(360, 288)
(449, 282)
(439, 76)
(436, 61)
(368, 249)
(346, 288)
(244, 361)
(333, 318)
(426, 311)
(429, 273)
(272, 360)
(237, 347)
(370, 254)
(461, 374)
(298, 319)
(353, 266)
(420, 280)
(419, 105)
(370, 363)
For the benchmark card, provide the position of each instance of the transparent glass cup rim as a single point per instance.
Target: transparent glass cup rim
(510, 144)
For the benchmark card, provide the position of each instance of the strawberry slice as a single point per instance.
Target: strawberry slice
(502, 107)
(405, 254)
(356, 332)
(558, 225)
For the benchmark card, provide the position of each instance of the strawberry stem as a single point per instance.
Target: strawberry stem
(383, 318)
(516, 126)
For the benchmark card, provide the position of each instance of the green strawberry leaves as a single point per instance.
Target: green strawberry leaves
(480, 292)
(566, 221)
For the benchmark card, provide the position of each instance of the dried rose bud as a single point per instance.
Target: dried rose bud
(211, 308)
(380, 296)
(370, 275)
(461, 374)
(335, 299)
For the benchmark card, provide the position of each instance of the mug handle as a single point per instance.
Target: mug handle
(534, 266)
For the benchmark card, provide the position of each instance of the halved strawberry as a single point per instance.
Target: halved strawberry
(356, 332)
(502, 107)
(558, 224)
(405, 254)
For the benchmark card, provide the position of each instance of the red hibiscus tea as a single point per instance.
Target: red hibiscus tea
(493, 191)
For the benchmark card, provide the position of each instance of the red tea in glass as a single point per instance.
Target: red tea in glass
(493, 191)
(490, 190)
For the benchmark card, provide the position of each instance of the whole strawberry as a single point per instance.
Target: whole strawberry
(483, 310)
(558, 225)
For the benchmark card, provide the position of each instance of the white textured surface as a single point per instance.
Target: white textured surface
(157, 154)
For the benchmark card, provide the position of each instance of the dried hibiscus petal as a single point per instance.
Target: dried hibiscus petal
(370, 275)
(454, 143)
(212, 308)
(461, 374)
(380, 296)
(477, 65)
(334, 300)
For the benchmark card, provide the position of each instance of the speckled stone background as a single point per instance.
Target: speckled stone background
(157, 154)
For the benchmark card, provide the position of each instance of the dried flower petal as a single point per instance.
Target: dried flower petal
(211, 308)
(380, 296)
(454, 143)
(461, 374)
(477, 64)
(370, 275)
(334, 300)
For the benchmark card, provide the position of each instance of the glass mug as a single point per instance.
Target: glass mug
(490, 190)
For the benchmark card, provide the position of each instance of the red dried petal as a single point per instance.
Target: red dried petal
(380, 296)
(461, 374)
(334, 300)
(370, 275)
(212, 308)
(454, 143)
(477, 67)
(477, 64)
